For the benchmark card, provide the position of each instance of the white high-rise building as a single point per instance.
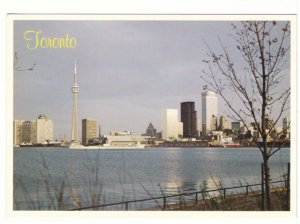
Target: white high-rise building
(209, 110)
(75, 91)
(44, 130)
(171, 128)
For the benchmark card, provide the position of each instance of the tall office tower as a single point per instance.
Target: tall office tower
(26, 132)
(223, 122)
(75, 91)
(151, 131)
(189, 119)
(89, 130)
(285, 123)
(17, 128)
(43, 129)
(169, 123)
(209, 108)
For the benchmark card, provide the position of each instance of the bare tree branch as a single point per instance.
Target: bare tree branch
(264, 47)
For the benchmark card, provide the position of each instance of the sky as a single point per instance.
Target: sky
(127, 71)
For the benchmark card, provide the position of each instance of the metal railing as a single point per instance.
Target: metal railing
(195, 194)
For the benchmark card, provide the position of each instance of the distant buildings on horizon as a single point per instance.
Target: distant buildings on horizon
(187, 127)
(37, 131)
(173, 128)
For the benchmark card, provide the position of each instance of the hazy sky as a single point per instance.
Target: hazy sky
(127, 71)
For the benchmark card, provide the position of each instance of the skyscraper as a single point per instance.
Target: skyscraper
(189, 119)
(44, 129)
(88, 130)
(171, 128)
(17, 132)
(223, 122)
(75, 91)
(209, 108)
(26, 132)
(285, 123)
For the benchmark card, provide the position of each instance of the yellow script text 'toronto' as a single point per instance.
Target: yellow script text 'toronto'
(35, 40)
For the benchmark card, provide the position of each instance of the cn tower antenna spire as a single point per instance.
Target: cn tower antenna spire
(75, 73)
(75, 91)
(75, 67)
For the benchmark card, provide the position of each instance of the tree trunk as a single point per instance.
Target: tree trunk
(267, 183)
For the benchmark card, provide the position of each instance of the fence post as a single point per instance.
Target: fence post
(196, 198)
(288, 189)
(165, 201)
(262, 188)
(224, 190)
(126, 206)
(247, 190)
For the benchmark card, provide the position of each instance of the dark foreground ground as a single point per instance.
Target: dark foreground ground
(234, 202)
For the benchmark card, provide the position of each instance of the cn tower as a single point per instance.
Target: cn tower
(75, 91)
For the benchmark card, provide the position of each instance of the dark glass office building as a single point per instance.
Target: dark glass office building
(189, 119)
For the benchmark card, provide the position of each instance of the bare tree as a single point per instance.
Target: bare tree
(20, 68)
(252, 85)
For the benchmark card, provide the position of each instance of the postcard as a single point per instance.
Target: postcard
(152, 113)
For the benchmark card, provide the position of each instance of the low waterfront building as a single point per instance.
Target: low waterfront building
(184, 144)
(121, 139)
(235, 126)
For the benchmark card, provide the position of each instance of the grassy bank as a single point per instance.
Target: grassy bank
(233, 202)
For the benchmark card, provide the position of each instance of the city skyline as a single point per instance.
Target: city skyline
(127, 71)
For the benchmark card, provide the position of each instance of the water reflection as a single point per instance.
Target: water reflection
(173, 168)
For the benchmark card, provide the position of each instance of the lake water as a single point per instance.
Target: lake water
(84, 177)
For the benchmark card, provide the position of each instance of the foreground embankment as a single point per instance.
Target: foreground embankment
(234, 202)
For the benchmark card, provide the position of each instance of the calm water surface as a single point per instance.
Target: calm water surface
(118, 175)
